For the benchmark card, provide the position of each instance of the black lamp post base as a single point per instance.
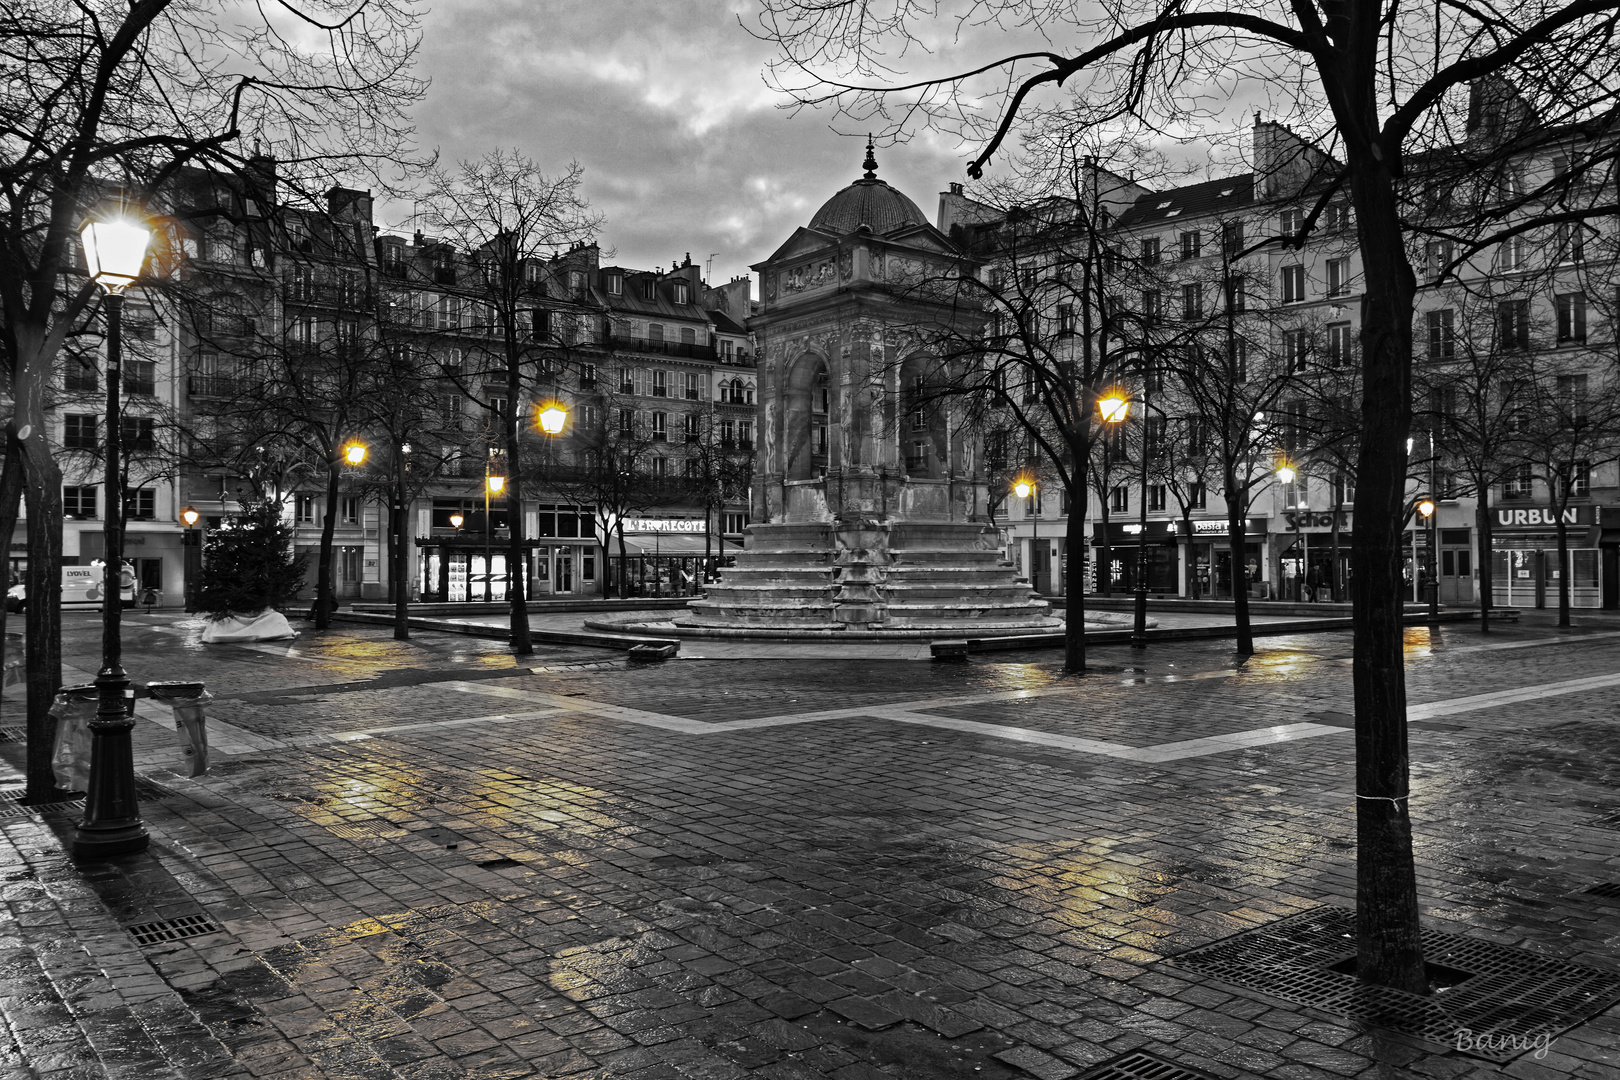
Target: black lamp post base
(122, 839)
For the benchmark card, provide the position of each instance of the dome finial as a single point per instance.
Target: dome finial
(870, 164)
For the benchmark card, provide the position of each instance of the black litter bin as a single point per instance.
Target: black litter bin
(190, 725)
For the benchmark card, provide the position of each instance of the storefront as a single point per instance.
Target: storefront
(1525, 569)
(1604, 535)
(1208, 554)
(1125, 554)
(666, 556)
(464, 558)
(1305, 555)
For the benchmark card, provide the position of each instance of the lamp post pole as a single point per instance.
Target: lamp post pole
(1139, 626)
(489, 569)
(1434, 563)
(112, 820)
(402, 626)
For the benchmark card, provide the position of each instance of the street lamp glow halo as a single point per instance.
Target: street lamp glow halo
(456, 518)
(1114, 407)
(1023, 488)
(114, 250)
(1286, 473)
(355, 453)
(189, 517)
(1426, 507)
(552, 416)
(497, 484)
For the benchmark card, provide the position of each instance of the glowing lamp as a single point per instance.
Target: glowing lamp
(114, 251)
(497, 484)
(1286, 473)
(456, 519)
(552, 417)
(1023, 488)
(1426, 507)
(1114, 408)
(354, 453)
(189, 517)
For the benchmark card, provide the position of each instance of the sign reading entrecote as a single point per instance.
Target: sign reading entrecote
(663, 525)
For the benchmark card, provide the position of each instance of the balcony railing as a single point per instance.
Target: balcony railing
(663, 348)
(212, 386)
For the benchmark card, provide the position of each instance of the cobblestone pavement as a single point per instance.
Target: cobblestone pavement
(426, 860)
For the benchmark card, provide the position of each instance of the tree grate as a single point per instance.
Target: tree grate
(1505, 999)
(1141, 1065)
(176, 929)
(1611, 820)
(498, 864)
(13, 735)
(1607, 889)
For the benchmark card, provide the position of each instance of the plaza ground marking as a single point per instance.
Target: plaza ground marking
(1509, 697)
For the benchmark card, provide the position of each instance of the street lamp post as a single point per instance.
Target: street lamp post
(402, 468)
(551, 417)
(1431, 582)
(494, 484)
(1024, 489)
(193, 554)
(114, 251)
(1114, 408)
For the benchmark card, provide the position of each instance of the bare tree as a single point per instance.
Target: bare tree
(512, 218)
(117, 99)
(1379, 83)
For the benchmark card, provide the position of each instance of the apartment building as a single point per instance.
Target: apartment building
(1514, 345)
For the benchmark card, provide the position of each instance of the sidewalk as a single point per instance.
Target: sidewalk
(426, 860)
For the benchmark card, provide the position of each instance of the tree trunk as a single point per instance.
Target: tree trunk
(396, 571)
(1074, 590)
(323, 570)
(1237, 543)
(516, 571)
(624, 559)
(1487, 568)
(11, 489)
(1338, 508)
(1563, 565)
(42, 623)
(1388, 949)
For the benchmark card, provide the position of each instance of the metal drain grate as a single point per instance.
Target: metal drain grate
(365, 830)
(1608, 888)
(1503, 997)
(13, 734)
(497, 864)
(176, 929)
(1611, 820)
(1141, 1065)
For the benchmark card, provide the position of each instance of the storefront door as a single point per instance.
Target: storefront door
(1456, 575)
(563, 578)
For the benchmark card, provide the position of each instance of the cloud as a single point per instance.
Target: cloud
(663, 103)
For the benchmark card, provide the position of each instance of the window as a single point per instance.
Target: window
(1065, 314)
(140, 377)
(1338, 277)
(301, 283)
(1197, 436)
(1290, 222)
(1236, 300)
(690, 423)
(349, 510)
(587, 376)
(1296, 349)
(576, 281)
(660, 383)
(1513, 325)
(140, 504)
(304, 509)
(1570, 242)
(627, 421)
(745, 434)
(1192, 301)
(1344, 490)
(696, 386)
(1150, 251)
(1197, 495)
(1153, 376)
(1572, 399)
(1293, 284)
(681, 295)
(1114, 442)
(137, 434)
(1294, 416)
(1152, 307)
(1232, 238)
(1192, 244)
(450, 412)
(1513, 254)
(1153, 432)
(1576, 479)
(79, 374)
(1442, 334)
(1156, 498)
(659, 466)
(298, 237)
(1339, 344)
(615, 284)
(655, 333)
(79, 432)
(1296, 494)
(79, 503)
(688, 336)
(1338, 216)
(1519, 485)
(590, 417)
(1437, 255)
(1240, 360)
(1119, 499)
(735, 522)
(1571, 317)
(649, 288)
(660, 426)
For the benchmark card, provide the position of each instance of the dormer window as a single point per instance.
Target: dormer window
(615, 284)
(681, 292)
(649, 289)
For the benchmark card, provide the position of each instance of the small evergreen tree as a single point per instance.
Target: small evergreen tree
(249, 565)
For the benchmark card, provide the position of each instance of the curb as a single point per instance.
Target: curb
(621, 642)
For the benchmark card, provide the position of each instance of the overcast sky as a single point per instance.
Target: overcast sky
(662, 102)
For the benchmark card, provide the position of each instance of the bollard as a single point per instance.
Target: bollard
(73, 709)
(190, 725)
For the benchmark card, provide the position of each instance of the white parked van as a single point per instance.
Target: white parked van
(81, 588)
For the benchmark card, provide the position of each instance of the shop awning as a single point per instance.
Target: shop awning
(671, 544)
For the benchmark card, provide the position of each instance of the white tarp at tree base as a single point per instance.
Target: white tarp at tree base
(264, 626)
